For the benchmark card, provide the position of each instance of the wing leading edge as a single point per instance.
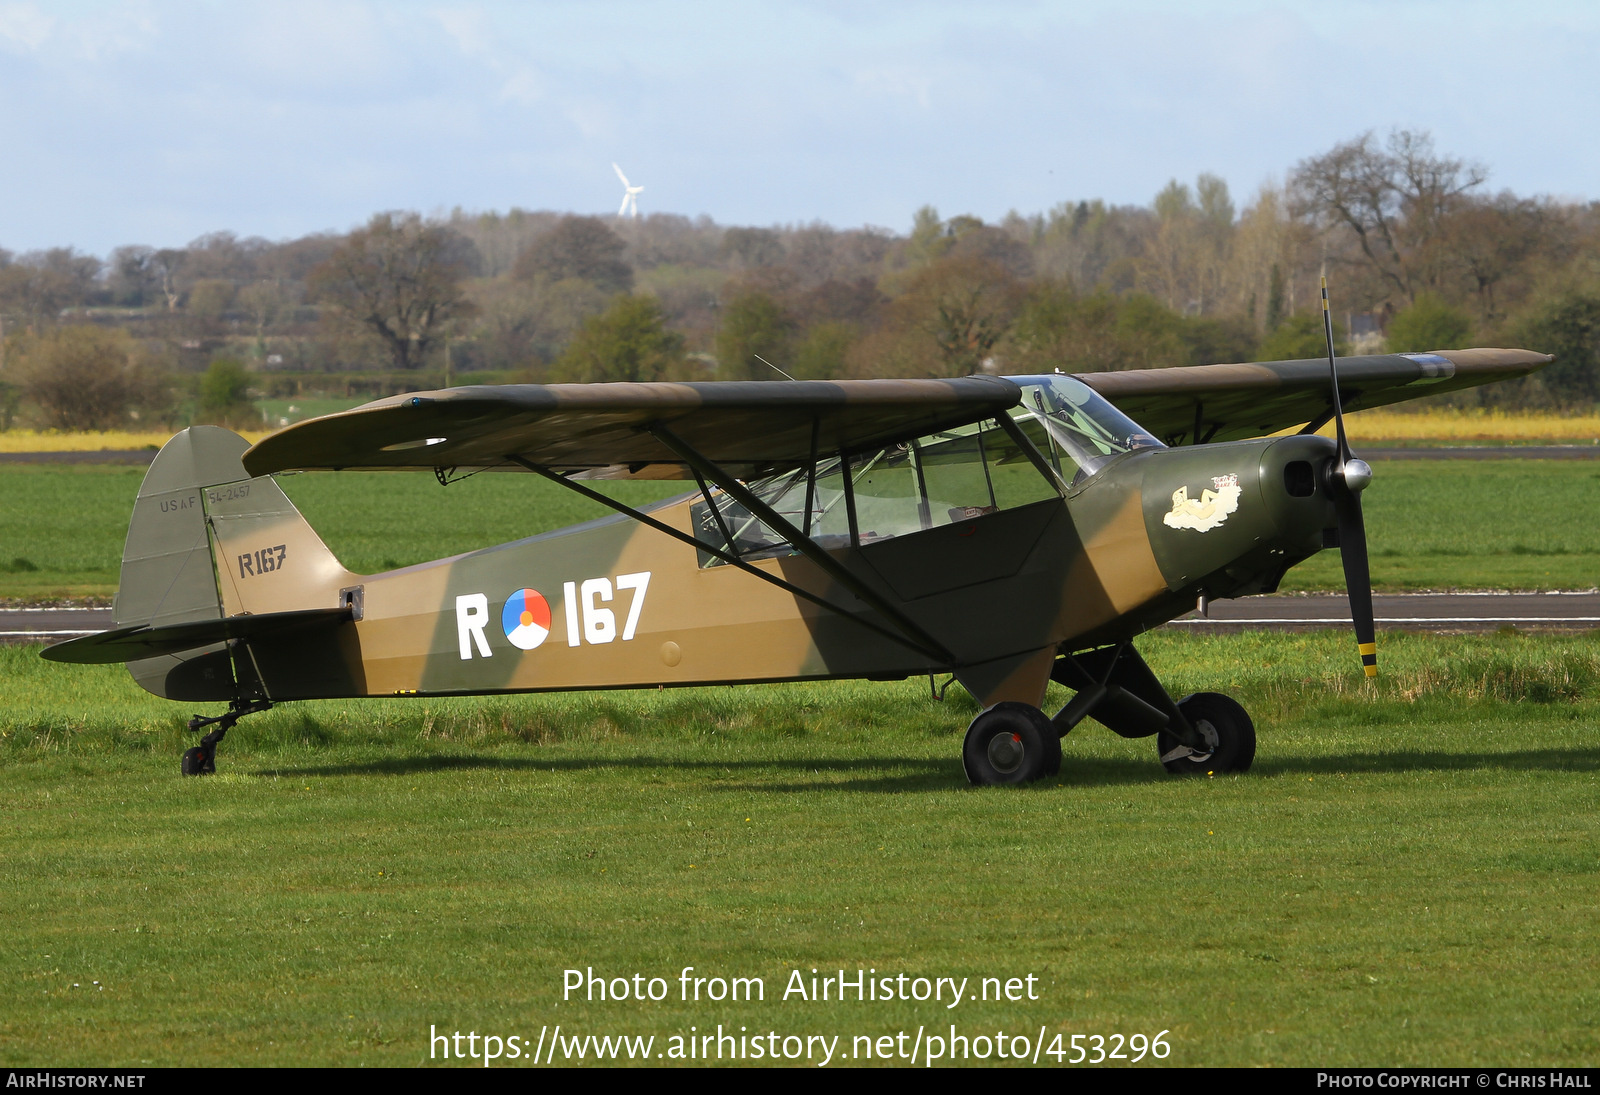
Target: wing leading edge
(751, 428)
(1231, 402)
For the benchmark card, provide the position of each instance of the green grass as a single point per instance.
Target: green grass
(1408, 876)
(1490, 524)
(62, 526)
(1475, 524)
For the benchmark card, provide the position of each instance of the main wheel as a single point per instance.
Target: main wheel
(1011, 743)
(1227, 729)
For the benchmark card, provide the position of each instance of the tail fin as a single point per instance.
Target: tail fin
(207, 541)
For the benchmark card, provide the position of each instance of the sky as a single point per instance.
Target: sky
(126, 122)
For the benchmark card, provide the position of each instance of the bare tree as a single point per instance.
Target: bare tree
(1393, 199)
(87, 378)
(167, 266)
(1492, 239)
(577, 247)
(40, 284)
(399, 278)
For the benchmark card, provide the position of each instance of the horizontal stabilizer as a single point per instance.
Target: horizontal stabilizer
(130, 644)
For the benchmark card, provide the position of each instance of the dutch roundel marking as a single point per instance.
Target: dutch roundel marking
(526, 619)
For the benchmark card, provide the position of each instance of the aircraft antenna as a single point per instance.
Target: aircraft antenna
(773, 367)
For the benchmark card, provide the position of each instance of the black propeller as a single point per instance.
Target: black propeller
(1347, 477)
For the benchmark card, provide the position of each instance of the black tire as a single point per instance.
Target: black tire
(1011, 743)
(1224, 724)
(197, 763)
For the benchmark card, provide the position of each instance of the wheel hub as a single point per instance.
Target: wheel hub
(1208, 732)
(1005, 752)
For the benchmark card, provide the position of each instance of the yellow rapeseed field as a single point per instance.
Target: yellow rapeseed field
(62, 441)
(1467, 426)
(1439, 424)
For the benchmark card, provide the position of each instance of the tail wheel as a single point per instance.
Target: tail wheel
(1227, 730)
(1011, 743)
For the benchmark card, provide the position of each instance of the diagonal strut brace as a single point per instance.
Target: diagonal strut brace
(922, 641)
(725, 555)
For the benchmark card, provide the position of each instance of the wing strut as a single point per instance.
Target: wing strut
(922, 641)
(725, 556)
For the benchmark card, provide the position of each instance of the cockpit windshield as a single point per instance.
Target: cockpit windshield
(1085, 426)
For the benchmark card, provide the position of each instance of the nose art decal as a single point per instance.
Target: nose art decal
(1208, 511)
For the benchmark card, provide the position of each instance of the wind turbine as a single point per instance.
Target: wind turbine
(630, 194)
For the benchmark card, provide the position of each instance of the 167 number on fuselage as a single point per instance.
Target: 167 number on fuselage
(525, 615)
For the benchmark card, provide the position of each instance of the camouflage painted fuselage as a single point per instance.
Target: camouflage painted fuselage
(616, 604)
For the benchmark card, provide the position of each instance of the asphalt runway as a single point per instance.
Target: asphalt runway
(1441, 612)
(1451, 612)
(39, 625)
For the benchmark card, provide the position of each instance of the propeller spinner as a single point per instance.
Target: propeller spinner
(1347, 477)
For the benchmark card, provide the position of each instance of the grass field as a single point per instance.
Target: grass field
(1408, 876)
(62, 526)
(282, 412)
(1508, 524)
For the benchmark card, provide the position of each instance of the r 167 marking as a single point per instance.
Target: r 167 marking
(255, 563)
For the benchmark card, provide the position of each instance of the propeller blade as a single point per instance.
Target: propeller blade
(1357, 573)
(624, 209)
(1333, 376)
(1347, 478)
(620, 175)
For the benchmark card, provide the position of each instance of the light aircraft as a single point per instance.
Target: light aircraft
(1009, 531)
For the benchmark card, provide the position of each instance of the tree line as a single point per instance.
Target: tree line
(1422, 254)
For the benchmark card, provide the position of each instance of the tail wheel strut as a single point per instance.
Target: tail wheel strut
(201, 760)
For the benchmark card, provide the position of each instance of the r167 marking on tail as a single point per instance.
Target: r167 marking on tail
(252, 564)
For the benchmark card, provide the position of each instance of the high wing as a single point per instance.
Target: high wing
(1200, 403)
(749, 428)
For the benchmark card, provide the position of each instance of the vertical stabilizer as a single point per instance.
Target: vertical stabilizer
(207, 541)
(167, 575)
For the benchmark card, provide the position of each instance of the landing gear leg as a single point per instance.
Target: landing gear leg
(1120, 691)
(201, 760)
(1203, 733)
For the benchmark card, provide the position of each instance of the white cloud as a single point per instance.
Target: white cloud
(469, 27)
(900, 81)
(523, 87)
(24, 25)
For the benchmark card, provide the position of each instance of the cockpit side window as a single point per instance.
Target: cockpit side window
(1084, 428)
(941, 479)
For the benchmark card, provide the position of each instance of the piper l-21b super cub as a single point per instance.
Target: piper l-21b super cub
(1010, 531)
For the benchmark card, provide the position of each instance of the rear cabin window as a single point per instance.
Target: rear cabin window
(936, 480)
